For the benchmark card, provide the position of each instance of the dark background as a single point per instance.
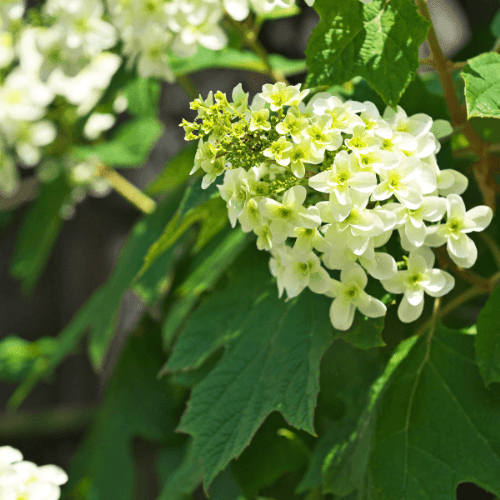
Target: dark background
(54, 418)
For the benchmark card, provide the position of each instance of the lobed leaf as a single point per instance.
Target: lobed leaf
(271, 363)
(378, 41)
(482, 85)
(432, 425)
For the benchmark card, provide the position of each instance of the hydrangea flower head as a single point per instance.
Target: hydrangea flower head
(325, 184)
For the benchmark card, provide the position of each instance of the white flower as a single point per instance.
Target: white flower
(300, 274)
(415, 125)
(303, 152)
(344, 118)
(25, 480)
(98, 123)
(320, 134)
(23, 98)
(412, 221)
(401, 182)
(280, 94)
(461, 248)
(7, 53)
(290, 214)
(28, 138)
(293, 124)
(361, 142)
(307, 239)
(359, 227)
(338, 182)
(350, 295)
(279, 151)
(235, 191)
(420, 277)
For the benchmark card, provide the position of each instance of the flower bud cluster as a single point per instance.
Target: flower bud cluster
(325, 185)
(25, 480)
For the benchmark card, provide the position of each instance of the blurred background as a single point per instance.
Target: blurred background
(52, 421)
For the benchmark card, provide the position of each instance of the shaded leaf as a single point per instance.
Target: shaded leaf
(136, 404)
(378, 41)
(210, 265)
(175, 173)
(271, 362)
(100, 312)
(433, 426)
(487, 340)
(142, 95)
(274, 451)
(39, 232)
(482, 85)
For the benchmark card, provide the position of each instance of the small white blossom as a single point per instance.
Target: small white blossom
(420, 277)
(459, 223)
(349, 295)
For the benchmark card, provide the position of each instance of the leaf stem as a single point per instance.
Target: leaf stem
(122, 186)
(186, 84)
(249, 36)
(457, 113)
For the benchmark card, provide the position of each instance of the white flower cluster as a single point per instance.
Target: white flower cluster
(27, 481)
(336, 179)
(67, 58)
(151, 29)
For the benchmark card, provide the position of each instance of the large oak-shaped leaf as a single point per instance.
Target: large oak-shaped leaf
(271, 362)
(433, 426)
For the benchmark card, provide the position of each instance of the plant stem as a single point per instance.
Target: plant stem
(57, 420)
(250, 38)
(457, 113)
(188, 86)
(494, 249)
(127, 190)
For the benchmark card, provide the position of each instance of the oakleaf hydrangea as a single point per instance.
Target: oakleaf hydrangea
(24, 480)
(325, 184)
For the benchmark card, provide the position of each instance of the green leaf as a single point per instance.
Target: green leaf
(18, 356)
(209, 211)
(434, 424)
(100, 312)
(346, 377)
(365, 332)
(211, 264)
(344, 467)
(184, 479)
(271, 362)
(378, 41)
(136, 404)
(234, 59)
(488, 339)
(495, 25)
(274, 451)
(195, 195)
(482, 85)
(39, 233)
(143, 95)
(175, 173)
(130, 145)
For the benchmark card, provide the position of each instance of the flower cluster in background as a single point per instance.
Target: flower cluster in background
(57, 61)
(25, 480)
(325, 185)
